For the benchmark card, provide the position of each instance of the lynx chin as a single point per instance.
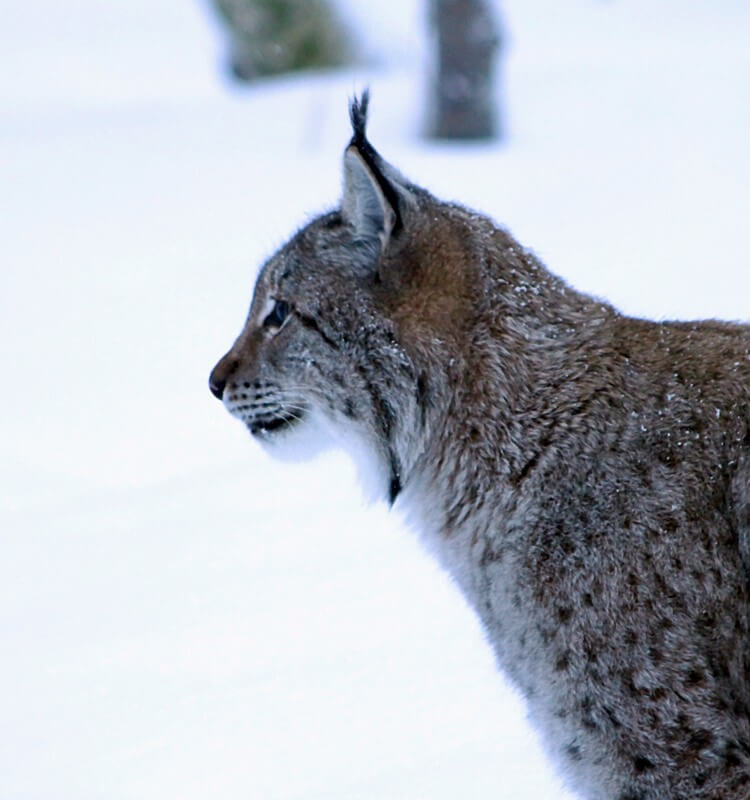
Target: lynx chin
(584, 476)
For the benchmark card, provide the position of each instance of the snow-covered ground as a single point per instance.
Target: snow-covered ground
(179, 616)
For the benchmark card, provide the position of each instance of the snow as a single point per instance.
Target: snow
(179, 615)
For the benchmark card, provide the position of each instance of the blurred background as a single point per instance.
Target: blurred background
(181, 617)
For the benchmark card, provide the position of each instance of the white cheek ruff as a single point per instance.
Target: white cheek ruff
(302, 441)
(373, 471)
(315, 434)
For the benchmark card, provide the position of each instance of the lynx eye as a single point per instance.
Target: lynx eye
(277, 315)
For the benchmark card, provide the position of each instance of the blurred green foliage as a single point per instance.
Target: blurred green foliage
(273, 36)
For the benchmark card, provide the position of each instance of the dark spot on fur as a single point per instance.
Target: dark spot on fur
(695, 677)
(349, 408)
(667, 455)
(705, 624)
(562, 663)
(490, 555)
(574, 752)
(517, 478)
(588, 600)
(564, 613)
(612, 718)
(566, 545)
(423, 398)
(720, 668)
(394, 488)
(642, 764)
(333, 220)
(732, 757)
(700, 739)
(670, 525)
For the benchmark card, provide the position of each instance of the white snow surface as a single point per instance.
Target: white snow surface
(181, 617)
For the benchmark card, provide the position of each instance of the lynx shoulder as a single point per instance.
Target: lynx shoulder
(584, 476)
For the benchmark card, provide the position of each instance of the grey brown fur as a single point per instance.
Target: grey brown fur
(584, 476)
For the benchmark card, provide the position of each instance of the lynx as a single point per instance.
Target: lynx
(583, 476)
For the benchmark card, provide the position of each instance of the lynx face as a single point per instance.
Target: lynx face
(331, 340)
(300, 366)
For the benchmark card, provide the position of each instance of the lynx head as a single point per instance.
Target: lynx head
(354, 321)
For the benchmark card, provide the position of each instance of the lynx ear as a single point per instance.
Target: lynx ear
(365, 206)
(373, 190)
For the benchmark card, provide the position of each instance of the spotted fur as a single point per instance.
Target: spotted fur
(584, 476)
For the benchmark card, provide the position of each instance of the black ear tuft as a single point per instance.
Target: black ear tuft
(358, 116)
(358, 107)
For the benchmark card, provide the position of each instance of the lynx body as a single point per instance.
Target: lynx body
(584, 476)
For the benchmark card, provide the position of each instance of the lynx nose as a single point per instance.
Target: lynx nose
(220, 374)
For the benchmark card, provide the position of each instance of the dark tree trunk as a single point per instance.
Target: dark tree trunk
(463, 101)
(268, 37)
